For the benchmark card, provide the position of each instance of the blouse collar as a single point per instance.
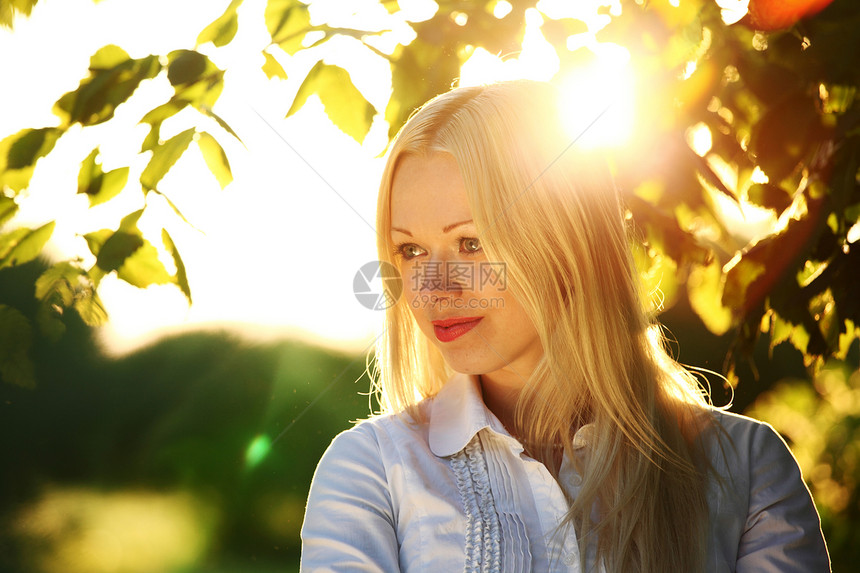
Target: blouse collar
(457, 413)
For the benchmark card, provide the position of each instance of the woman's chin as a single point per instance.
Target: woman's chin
(468, 366)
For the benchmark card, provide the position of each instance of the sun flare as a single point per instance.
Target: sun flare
(599, 99)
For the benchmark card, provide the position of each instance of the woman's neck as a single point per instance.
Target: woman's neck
(500, 392)
(500, 395)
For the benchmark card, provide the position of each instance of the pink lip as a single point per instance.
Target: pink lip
(453, 328)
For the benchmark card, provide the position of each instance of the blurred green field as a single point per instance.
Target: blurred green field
(194, 454)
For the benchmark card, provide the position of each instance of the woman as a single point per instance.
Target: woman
(533, 419)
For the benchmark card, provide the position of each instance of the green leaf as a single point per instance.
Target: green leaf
(770, 196)
(704, 289)
(62, 278)
(163, 158)
(767, 80)
(659, 274)
(90, 308)
(118, 247)
(843, 179)
(108, 57)
(422, 71)
(19, 153)
(204, 94)
(222, 123)
(741, 272)
(846, 339)
(181, 276)
(393, 6)
(176, 210)
(708, 177)
(10, 10)
(96, 275)
(23, 245)
(272, 68)
(683, 45)
(129, 222)
(89, 176)
(98, 185)
(62, 286)
(112, 183)
(16, 334)
(29, 145)
(152, 139)
(287, 22)
(768, 269)
(56, 290)
(195, 78)
(782, 330)
(222, 30)
(665, 233)
(113, 78)
(782, 138)
(155, 117)
(215, 158)
(185, 67)
(8, 208)
(846, 271)
(168, 109)
(343, 103)
(127, 252)
(49, 321)
(97, 239)
(143, 268)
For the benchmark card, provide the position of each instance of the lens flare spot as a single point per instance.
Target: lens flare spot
(257, 450)
(502, 9)
(699, 139)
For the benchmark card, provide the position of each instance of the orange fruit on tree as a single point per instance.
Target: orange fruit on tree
(779, 14)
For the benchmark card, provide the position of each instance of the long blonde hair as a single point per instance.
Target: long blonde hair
(550, 211)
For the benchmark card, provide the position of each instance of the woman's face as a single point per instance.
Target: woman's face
(458, 298)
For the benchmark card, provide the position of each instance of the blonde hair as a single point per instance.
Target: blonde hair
(550, 211)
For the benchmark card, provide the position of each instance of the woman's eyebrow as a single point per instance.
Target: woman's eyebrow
(445, 229)
(454, 225)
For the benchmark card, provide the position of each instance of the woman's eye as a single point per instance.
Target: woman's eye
(408, 250)
(470, 245)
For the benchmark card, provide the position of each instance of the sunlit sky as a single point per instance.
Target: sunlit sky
(277, 250)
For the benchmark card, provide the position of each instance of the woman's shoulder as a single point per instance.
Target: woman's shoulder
(731, 421)
(736, 437)
(763, 517)
(750, 453)
(383, 431)
(742, 433)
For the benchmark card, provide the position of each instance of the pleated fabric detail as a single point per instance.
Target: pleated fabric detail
(483, 529)
(516, 548)
(495, 532)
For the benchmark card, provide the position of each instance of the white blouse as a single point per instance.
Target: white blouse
(458, 493)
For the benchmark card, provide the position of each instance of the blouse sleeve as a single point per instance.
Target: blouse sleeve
(349, 523)
(782, 531)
